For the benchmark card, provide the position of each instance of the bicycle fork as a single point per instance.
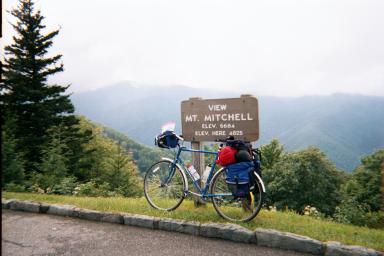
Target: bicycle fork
(170, 175)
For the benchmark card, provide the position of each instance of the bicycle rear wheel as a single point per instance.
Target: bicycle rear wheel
(235, 208)
(164, 186)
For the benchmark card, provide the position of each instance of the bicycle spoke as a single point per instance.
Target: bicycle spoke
(164, 190)
(231, 207)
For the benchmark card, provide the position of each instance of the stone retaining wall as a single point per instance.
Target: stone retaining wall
(262, 237)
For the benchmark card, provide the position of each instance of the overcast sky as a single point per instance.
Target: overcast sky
(282, 48)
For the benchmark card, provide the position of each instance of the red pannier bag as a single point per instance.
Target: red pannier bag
(226, 156)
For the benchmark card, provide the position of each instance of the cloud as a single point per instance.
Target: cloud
(272, 47)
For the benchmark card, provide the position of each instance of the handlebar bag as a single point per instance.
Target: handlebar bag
(226, 156)
(167, 139)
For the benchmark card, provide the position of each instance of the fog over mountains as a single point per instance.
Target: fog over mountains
(345, 127)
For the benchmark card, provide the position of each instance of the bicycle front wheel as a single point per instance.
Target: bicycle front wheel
(235, 208)
(164, 186)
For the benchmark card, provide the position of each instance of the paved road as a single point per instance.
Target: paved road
(40, 234)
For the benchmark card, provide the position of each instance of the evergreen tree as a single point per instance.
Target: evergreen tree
(25, 95)
(55, 155)
(118, 163)
(54, 166)
(99, 148)
(122, 174)
(76, 138)
(12, 162)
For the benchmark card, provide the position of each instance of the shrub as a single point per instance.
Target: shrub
(375, 219)
(353, 212)
(66, 187)
(91, 188)
(104, 189)
(41, 181)
(86, 189)
(12, 187)
(313, 212)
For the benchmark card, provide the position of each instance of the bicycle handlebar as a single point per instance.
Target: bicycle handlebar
(230, 138)
(179, 137)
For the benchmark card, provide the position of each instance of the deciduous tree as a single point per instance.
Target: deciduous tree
(304, 178)
(271, 154)
(364, 186)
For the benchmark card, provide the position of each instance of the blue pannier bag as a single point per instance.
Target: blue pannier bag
(238, 178)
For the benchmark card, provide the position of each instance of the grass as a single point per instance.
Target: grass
(323, 230)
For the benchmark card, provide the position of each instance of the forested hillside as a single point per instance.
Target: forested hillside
(144, 156)
(345, 127)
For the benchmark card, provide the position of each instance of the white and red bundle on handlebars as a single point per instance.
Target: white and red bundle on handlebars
(167, 139)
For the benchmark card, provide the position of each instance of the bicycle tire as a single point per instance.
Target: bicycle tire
(230, 207)
(162, 191)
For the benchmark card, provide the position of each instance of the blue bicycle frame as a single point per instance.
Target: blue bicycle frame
(203, 192)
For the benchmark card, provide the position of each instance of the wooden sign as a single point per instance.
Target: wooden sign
(208, 120)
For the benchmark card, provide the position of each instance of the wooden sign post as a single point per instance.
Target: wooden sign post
(198, 163)
(211, 119)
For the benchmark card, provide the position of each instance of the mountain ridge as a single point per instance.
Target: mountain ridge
(344, 126)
